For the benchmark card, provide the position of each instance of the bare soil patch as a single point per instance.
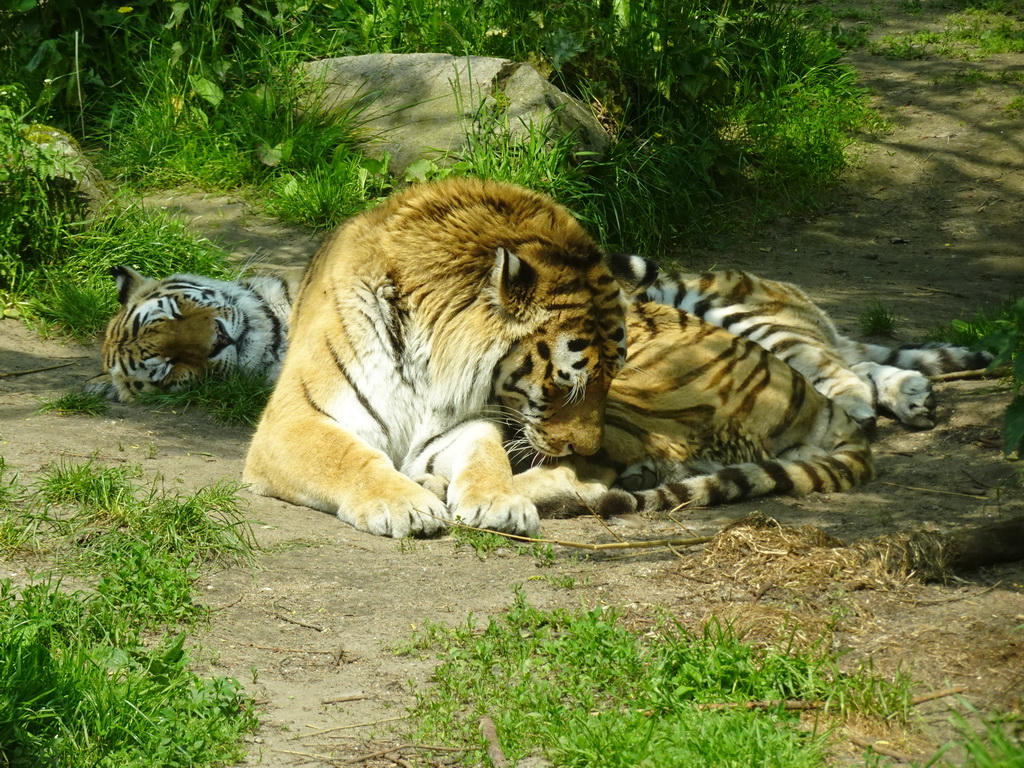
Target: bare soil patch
(929, 220)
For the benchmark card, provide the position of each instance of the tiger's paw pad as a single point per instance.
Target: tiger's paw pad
(909, 398)
(504, 513)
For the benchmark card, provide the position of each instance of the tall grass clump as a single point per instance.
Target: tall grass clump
(582, 690)
(70, 694)
(99, 675)
(54, 264)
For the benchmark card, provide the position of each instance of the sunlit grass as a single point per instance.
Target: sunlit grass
(580, 689)
(97, 675)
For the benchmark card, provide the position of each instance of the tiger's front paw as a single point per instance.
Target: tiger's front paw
(416, 512)
(501, 512)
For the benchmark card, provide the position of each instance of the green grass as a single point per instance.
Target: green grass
(997, 743)
(971, 34)
(74, 403)
(204, 526)
(877, 319)
(236, 398)
(98, 675)
(71, 694)
(581, 689)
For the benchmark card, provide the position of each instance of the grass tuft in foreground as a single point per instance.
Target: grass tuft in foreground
(582, 690)
(98, 675)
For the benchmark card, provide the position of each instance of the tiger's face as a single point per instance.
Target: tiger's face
(557, 377)
(168, 334)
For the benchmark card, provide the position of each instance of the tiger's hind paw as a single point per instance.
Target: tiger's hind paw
(908, 397)
(638, 477)
(905, 395)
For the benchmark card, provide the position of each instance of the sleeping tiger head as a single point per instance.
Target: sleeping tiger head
(171, 332)
(557, 377)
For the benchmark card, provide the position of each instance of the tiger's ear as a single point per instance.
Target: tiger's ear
(515, 280)
(128, 282)
(634, 273)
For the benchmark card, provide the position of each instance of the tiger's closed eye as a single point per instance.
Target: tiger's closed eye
(222, 341)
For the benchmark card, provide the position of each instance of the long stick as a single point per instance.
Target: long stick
(346, 727)
(11, 374)
(875, 746)
(786, 704)
(691, 542)
(980, 373)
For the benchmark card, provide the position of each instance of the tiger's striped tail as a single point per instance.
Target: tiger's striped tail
(931, 358)
(839, 470)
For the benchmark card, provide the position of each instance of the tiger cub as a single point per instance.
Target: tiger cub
(170, 332)
(417, 325)
(700, 416)
(864, 379)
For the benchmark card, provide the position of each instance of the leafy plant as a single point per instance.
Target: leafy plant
(1006, 340)
(1000, 332)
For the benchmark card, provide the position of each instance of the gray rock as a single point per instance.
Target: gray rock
(422, 105)
(80, 182)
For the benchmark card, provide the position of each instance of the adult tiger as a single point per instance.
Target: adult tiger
(702, 417)
(171, 332)
(864, 379)
(409, 321)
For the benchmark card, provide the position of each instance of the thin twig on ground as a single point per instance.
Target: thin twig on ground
(937, 695)
(346, 727)
(399, 748)
(341, 699)
(790, 705)
(876, 746)
(933, 490)
(690, 542)
(296, 622)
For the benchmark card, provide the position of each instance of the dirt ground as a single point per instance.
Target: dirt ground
(929, 220)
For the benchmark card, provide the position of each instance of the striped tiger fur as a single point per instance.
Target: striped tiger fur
(170, 332)
(865, 379)
(417, 325)
(700, 416)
